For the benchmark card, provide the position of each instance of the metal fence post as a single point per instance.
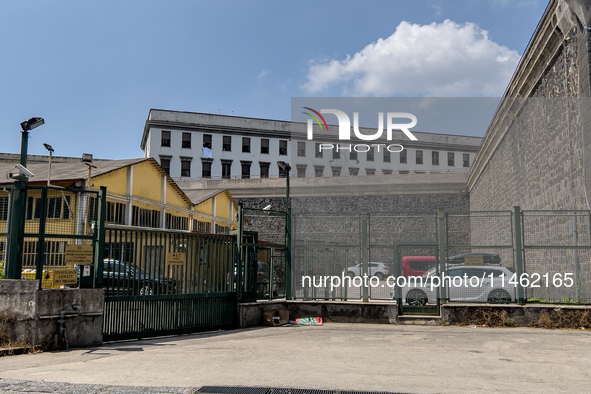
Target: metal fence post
(240, 256)
(518, 252)
(16, 230)
(441, 246)
(99, 245)
(364, 255)
(288, 253)
(41, 238)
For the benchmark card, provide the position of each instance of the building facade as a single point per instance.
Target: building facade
(206, 146)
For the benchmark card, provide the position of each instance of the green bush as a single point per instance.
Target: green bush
(1, 269)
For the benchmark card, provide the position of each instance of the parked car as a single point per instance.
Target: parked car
(489, 290)
(487, 258)
(418, 265)
(123, 279)
(379, 270)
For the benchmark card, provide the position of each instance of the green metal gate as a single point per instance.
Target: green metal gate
(161, 282)
(416, 296)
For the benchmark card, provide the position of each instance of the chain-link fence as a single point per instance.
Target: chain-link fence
(480, 246)
(4, 209)
(53, 219)
(326, 245)
(557, 256)
(264, 254)
(490, 256)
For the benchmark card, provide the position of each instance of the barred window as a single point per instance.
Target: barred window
(435, 158)
(227, 143)
(165, 140)
(282, 147)
(143, 217)
(207, 141)
(219, 229)
(174, 222)
(201, 226)
(4, 208)
(115, 212)
(317, 151)
(403, 156)
(265, 146)
(186, 140)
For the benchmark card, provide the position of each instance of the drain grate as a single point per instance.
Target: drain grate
(263, 390)
(233, 390)
(301, 391)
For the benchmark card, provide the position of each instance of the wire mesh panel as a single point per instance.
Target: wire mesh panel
(479, 256)
(270, 225)
(263, 266)
(4, 209)
(557, 262)
(54, 219)
(270, 272)
(326, 246)
(389, 228)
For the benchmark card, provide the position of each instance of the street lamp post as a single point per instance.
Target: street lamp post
(288, 288)
(50, 150)
(16, 222)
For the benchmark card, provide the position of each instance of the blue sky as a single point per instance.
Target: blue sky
(93, 69)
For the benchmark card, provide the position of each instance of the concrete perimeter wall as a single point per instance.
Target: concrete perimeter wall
(31, 315)
(534, 154)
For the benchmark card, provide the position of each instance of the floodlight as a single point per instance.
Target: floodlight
(32, 123)
(48, 147)
(284, 166)
(87, 157)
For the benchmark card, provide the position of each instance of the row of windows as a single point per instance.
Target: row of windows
(387, 155)
(301, 152)
(226, 168)
(336, 171)
(202, 227)
(226, 143)
(115, 212)
(57, 208)
(264, 167)
(54, 253)
(145, 217)
(219, 229)
(173, 222)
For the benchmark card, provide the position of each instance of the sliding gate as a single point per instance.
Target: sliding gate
(160, 282)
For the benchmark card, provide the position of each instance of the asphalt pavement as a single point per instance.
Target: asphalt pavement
(364, 357)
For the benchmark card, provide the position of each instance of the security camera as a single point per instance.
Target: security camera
(23, 170)
(267, 208)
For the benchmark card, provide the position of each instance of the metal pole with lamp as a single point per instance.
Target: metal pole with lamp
(288, 288)
(50, 149)
(16, 222)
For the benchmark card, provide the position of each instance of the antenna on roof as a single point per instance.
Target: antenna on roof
(232, 113)
(218, 111)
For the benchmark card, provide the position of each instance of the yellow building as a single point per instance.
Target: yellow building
(139, 194)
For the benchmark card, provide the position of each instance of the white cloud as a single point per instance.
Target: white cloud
(264, 72)
(440, 59)
(438, 9)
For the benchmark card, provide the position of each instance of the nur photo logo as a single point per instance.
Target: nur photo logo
(345, 129)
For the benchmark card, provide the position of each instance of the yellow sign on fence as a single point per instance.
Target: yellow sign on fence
(473, 259)
(64, 277)
(175, 258)
(78, 254)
